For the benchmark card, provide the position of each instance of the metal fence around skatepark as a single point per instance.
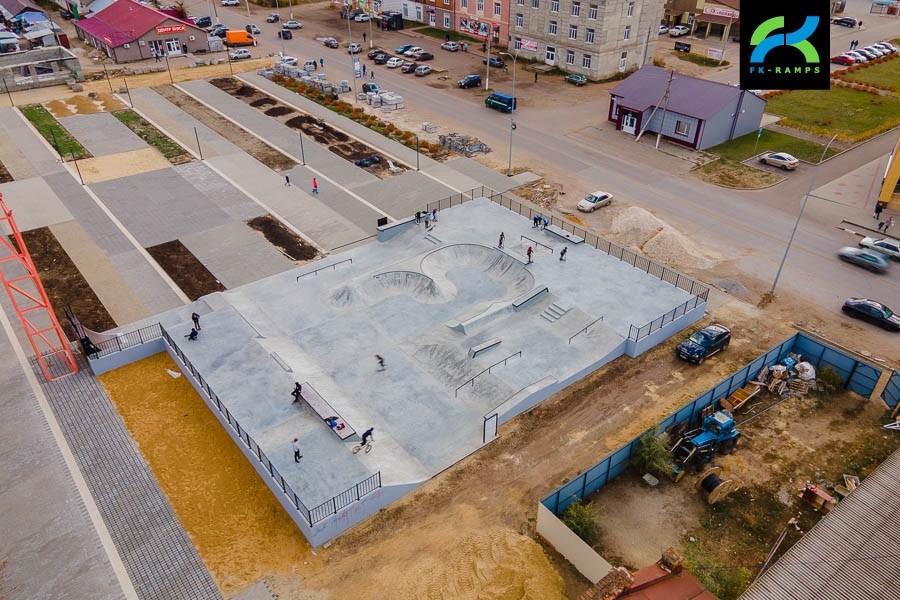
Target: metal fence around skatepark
(123, 341)
(698, 290)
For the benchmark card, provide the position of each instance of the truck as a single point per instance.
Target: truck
(716, 434)
(239, 38)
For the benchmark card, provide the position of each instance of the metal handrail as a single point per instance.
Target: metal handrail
(583, 329)
(333, 265)
(525, 237)
(472, 380)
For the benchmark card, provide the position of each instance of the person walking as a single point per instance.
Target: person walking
(372, 74)
(878, 208)
(380, 362)
(530, 252)
(321, 62)
(502, 238)
(888, 224)
(418, 217)
(364, 71)
(192, 336)
(562, 253)
(434, 215)
(859, 25)
(297, 455)
(287, 180)
(536, 221)
(427, 217)
(315, 189)
(297, 393)
(196, 319)
(364, 37)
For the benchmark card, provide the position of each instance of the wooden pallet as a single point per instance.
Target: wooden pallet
(740, 397)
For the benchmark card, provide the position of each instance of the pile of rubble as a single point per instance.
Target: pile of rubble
(463, 144)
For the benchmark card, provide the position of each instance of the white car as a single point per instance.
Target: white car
(782, 160)
(679, 30)
(886, 46)
(859, 56)
(231, 3)
(253, 29)
(361, 17)
(663, 29)
(288, 60)
(354, 48)
(394, 62)
(413, 51)
(887, 246)
(879, 52)
(451, 46)
(239, 54)
(293, 24)
(594, 200)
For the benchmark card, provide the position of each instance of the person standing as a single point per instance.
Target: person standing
(418, 217)
(364, 71)
(364, 37)
(427, 217)
(297, 455)
(562, 254)
(530, 252)
(434, 215)
(196, 319)
(321, 62)
(372, 74)
(287, 180)
(888, 224)
(380, 362)
(315, 189)
(878, 208)
(860, 26)
(502, 238)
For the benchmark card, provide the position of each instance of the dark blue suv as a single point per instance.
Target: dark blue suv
(704, 343)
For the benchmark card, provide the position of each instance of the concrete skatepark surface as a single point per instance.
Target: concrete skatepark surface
(421, 300)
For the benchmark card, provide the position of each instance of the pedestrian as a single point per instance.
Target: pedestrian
(530, 252)
(196, 319)
(367, 435)
(380, 362)
(192, 335)
(287, 180)
(297, 455)
(297, 393)
(502, 237)
(372, 74)
(418, 217)
(321, 62)
(364, 36)
(315, 186)
(888, 224)
(562, 253)
(536, 221)
(535, 76)
(860, 24)
(545, 223)
(878, 208)
(880, 225)
(427, 217)
(364, 70)
(434, 215)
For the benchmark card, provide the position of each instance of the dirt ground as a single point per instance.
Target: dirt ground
(185, 269)
(5, 177)
(285, 240)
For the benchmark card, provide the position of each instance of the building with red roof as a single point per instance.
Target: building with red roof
(127, 31)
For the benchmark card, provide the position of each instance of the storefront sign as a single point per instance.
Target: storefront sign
(721, 12)
(164, 29)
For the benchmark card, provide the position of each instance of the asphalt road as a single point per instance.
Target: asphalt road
(753, 227)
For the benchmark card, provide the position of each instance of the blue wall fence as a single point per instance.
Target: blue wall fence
(856, 375)
(891, 393)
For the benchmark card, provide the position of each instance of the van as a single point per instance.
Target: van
(501, 102)
(239, 38)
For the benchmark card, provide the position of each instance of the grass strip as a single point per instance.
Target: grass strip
(47, 125)
(173, 152)
(742, 148)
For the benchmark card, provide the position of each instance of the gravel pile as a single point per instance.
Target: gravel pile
(636, 228)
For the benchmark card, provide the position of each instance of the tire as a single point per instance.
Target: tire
(700, 360)
(784, 167)
(725, 345)
(727, 447)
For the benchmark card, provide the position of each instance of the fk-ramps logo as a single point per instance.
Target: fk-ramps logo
(785, 46)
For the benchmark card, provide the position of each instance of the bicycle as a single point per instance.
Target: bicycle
(367, 446)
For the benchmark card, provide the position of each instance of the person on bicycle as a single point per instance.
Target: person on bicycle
(367, 435)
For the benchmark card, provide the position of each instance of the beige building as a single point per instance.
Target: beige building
(596, 38)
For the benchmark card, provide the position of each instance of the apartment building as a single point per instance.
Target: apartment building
(597, 38)
(476, 18)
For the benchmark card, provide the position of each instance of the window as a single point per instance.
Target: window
(462, 4)
(570, 57)
(589, 36)
(554, 6)
(586, 61)
(576, 9)
(623, 60)
(682, 127)
(573, 32)
(551, 29)
(535, 3)
(447, 24)
(627, 35)
(480, 5)
(520, 20)
(592, 12)
(550, 54)
(446, 2)
(518, 43)
(520, 2)
(629, 9)
(496, 9)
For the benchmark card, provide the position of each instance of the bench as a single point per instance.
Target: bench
(476, 350)
(566, 235)
(324, 410)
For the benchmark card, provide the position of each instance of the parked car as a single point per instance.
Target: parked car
(469, 81)
(370, 87)
(239, 54)
(496, 63)
(285, 34)
(450, 46)
(576, 79)
(887, 46)
(594, 200)
(662, 29)
(887, 246)
(381, 59)
(408, 67)
(423, 55)
(374, 52)
(704, 343)
(845, 22)
(878, 52)
(782, 160)
(394, 62)
(412, 51)
(403, 48)
(843, 59)
(873, 312)
(230, 3)
(252, 29)
(331, 42)
(679, 30)
(362, 17)
(217, 30)
(859, 56)
(292, 24)
(273, 18)
(423, 70)
(202, 22)
(867, 53)
(865, 258)
(354, 48)
(287, 60)
(310, 65)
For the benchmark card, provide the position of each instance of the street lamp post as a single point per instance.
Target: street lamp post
(812, 180)
(487, 62)
(352, 64)
(248, 9)
(512, 122)
(417, 151)
(280, 37)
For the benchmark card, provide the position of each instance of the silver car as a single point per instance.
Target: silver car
(594, 200)
(867, 259)
(782, 160)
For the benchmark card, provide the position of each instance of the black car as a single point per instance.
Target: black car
(374, 52)
(380, 59)
(285, 34)
(704, 343)
(203, 21)
(217, 29)
(846, 22)
(873, 312)
(495, 62)
(469, 81)
(424, 56)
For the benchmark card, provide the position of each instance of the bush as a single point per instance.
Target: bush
(579, 518)
(830, 378)
(650, 455)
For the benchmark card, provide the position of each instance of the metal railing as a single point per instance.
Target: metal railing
(488, 370)
(637, 333)
(313, 516)
(583, 329)
(537, 243)
(331, 266)
(127, 340)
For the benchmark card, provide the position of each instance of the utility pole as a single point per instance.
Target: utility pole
(665, 102)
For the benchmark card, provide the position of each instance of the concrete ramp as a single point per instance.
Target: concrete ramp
(497, 265)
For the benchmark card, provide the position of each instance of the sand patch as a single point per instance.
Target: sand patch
(123, 164)
(84, 104)
(239, 529)
(638, 228)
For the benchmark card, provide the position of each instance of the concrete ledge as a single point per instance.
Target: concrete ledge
(560, 232)
(324, 410)
(386, 232)
(529, 296)
(476, 350)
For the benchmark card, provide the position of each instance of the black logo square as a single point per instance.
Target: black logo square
(785, 46)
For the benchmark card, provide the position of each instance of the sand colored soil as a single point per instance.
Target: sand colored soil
(638, 228)
(83, 105)
(234, 521)
(123, 164)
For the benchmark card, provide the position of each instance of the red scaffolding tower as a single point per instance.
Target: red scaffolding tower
(29, 300)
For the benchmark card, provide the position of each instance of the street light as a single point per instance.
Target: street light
(281, 37)
(352, 64)
(797, 222)
(512, 123)
(417, 151)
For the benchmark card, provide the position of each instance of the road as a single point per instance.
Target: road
(752, 227)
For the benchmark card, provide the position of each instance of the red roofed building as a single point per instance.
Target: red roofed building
(127, 31)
